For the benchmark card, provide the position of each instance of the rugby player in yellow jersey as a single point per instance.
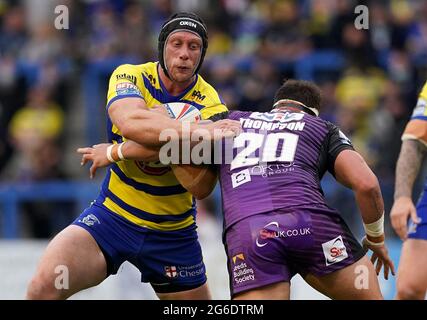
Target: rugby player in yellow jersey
(142, 215)
(412, 271)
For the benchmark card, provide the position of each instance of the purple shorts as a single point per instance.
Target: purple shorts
(272, 247)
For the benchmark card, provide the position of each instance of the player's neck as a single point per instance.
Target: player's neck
(174, 88)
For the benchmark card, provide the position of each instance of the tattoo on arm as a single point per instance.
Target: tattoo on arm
(408, 167)
(378, 203)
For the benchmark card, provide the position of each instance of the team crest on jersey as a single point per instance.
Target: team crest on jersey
(276, 116)
(153, 168)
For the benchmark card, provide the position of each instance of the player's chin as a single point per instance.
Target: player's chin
(183, 75)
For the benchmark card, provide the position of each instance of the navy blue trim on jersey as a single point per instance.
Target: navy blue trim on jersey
(198, 106)
(155, 93)
(170, 98)
(122, 97)
(153, 190)
(162, 94)
(419, 118)
(110, 134)
(143, 214)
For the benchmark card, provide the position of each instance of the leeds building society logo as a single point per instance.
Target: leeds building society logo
(239, 256)
(334, 251)
(90, 220)
(241, 271)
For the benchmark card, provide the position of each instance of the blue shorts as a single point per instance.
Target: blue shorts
(419, 231)
(171, 261)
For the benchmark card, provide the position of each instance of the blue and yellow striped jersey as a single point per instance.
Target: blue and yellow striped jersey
(148, 194)
(417, 126)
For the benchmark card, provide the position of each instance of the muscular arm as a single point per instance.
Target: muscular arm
(137, 123)
(134, 151)
(352, 171)
(408, 167)
(198, 180)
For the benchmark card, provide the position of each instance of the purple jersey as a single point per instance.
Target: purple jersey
(278, 161)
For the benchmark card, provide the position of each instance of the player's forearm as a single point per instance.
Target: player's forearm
(370, 201)
(198, 180)
(408, 167)
(352, 171)
(371, 205)
(152, 129)
(134, 151)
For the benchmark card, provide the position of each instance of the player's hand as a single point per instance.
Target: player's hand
(223, 129)
(381, 257)
(97, 154)
(403, 208)
(159, 108)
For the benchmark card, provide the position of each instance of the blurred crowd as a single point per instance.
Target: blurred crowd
(369, 78)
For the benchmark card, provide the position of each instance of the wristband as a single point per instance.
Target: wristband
(366, 241)
(375, 229)
(119, 151)
(109, 156)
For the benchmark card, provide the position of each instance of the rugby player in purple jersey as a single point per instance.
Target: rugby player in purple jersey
(276, 220)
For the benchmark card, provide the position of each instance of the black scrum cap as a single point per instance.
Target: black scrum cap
(183, 21)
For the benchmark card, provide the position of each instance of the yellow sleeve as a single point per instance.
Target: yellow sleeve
(423, 93)
(417, 126)
(212, 102)
(212, 110)
(125, 82)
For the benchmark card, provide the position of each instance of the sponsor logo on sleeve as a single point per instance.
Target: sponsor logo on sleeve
(126, 88)
(89, 220)
(344, 138)
(125, 76)
(413, 227)
(420, 109)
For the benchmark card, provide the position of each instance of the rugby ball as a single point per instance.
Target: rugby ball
(183, 111)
